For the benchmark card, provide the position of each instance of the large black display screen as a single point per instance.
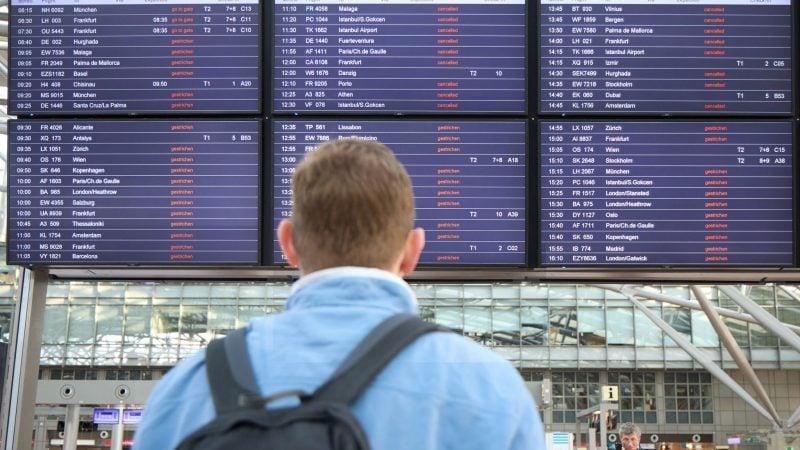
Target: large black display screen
(666, 193)
(136, 56)
(468, 176)
(401, 56)
(133, 192)
(665, 56)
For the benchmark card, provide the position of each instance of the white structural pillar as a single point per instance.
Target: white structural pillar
(71, 423)
(118, 432)
(603, 425)
(40, 436)
(19, 400)
(777, 440)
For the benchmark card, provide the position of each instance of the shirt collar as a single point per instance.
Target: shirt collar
(351, 271)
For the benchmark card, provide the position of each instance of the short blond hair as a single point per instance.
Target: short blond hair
(353, 206)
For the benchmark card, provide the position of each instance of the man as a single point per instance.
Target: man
(351, 236)
(630, 435)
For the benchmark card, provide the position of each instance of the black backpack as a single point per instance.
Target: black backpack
(321, 421)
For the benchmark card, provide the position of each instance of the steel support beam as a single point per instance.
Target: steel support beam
(766, 319)
(628, 290)
(706, 362)
(730, 344)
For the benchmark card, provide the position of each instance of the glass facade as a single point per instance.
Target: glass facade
(687, 398)
(577, 338)
(637, 396)
(536, 326)
(574, 392)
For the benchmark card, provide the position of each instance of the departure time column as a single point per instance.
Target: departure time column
(570, 160)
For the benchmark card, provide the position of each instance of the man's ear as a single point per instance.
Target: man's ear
(285, 240)
(413, 248)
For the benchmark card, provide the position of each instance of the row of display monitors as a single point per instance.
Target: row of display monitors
(655, 57)
(502, 192)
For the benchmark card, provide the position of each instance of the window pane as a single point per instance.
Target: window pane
(762, 337)
(763, 295)
(679, 319)
(477, 320)
(224, 291)
(166, 291)
(81, 324)
(537, 291)
(703, 334)
(505, 325)
(533, 321)
(620, 329)
(196, 291)
(55, 324)
(221, 319)
(109, 321)
(647, 333)
(252, 291)
(249, 312)
(137, 290)
(194, 320)
(738, 329)
(428, 313)
(193, 331)
(166, 320)
(137, 323)
(78, 290)
(592, 326)
(563, 326)
(789, 315)
(450, 317)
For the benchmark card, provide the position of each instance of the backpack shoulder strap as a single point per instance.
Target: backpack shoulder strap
(230, 374)
(374, 352)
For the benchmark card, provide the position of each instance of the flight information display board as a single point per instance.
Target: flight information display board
(665, 56)
(133, 192)
(402, 56)
(132, 57)
(666, 193)
(468, 176)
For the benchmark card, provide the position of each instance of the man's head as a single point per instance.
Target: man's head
(630, 434)
(353, 206)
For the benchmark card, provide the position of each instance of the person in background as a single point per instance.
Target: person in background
(630, 435)
(352, 238)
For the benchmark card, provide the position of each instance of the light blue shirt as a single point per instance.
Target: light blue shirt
(442, 392)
